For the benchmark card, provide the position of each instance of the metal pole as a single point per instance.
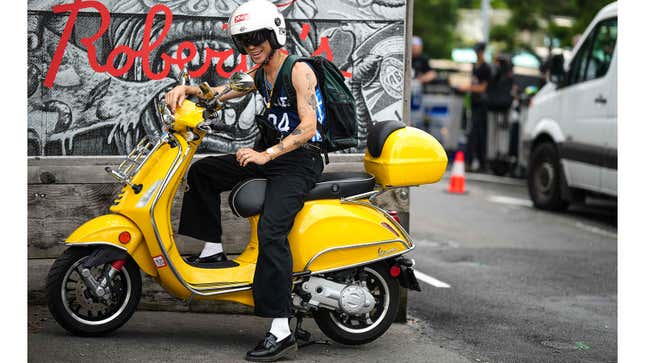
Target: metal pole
(485, 16)
(407, 61)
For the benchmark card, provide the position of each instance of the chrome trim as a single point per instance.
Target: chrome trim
(359, 263)
(360, 196)
(132, 158)
(385, 213)
(311, 260)
(238, 283)
(95, 243)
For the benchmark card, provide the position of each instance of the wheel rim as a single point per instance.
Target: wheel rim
(357, 324)
(545, 178)
(87, 309)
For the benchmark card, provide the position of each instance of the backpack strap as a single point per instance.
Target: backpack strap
(285, 79)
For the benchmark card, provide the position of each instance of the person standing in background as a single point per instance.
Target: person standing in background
(422, 74)
(421, 69)
(478, 84)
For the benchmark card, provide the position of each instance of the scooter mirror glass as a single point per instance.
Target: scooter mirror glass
(241, 82)
(183, 78)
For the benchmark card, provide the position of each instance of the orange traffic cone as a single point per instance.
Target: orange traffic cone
(457, 175)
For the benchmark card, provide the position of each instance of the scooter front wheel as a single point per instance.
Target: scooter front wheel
(76, 309)
(355, 330)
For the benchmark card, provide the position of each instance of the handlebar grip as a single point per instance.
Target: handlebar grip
(207, 91)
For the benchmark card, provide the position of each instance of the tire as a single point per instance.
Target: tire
(385, 310)
(76, 310)
(545, 178)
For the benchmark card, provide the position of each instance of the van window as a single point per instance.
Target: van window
(602, 50)
(594, 56)
(579, 62)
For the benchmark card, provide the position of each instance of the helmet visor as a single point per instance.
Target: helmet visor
(253, 38)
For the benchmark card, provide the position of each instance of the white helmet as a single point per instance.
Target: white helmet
(257, 15)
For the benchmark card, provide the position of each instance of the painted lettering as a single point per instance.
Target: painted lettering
(186, 50)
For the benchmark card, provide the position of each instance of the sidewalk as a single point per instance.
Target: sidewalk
(156, 336)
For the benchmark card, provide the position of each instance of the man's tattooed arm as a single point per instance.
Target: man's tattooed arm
(304, 83)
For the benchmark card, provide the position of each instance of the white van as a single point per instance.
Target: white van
(569, 138)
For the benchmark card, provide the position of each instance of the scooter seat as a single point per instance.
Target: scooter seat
(247, 198)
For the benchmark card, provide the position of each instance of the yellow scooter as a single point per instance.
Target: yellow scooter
(348, 264)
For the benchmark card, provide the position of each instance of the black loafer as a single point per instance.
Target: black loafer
(268, 350)
(218, 257)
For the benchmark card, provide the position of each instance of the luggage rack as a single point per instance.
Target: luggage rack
(132, 163)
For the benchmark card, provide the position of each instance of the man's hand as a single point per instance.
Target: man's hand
(176, 96)
(246, 155)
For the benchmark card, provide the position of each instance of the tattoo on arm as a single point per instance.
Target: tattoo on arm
(311, 101)
(297, 132)
(281, 146)
(310, 82)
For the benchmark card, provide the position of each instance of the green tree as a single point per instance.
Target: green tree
(527, 15)
(434, 21)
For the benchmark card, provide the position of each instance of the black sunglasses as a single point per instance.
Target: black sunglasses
(253, 38)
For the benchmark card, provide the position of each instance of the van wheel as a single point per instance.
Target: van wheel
(545, 176)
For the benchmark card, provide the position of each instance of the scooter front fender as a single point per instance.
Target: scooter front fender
(105, 230)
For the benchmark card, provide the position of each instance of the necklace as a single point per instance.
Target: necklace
(266, 86)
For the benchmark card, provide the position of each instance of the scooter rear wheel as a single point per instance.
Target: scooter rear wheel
(76, 309)
(356, 330)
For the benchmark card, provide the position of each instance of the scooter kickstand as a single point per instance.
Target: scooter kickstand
(305, 336)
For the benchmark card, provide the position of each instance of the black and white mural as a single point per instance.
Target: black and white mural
(97, 68)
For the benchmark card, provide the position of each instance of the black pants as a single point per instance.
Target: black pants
(477, 136)
(290, 178)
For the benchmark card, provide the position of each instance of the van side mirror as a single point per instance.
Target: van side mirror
(557, 74)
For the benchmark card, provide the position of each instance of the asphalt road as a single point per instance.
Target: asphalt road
(158, 336)
(525, 285)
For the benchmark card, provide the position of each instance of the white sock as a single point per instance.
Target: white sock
(280, 328)
(211, 248)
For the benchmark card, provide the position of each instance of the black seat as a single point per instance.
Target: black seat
(341, 184)
(246, 198)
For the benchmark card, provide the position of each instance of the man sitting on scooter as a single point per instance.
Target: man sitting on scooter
(289, 165)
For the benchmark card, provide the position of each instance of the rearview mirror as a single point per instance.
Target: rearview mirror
(183, 78)
(241, 82)
(556, 70)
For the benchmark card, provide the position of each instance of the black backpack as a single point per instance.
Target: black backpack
(340, 130)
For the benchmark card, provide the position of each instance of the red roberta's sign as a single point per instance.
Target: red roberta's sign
(147, 46)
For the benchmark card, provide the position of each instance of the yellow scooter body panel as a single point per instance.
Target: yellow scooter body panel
(105, 230)
(329, 235)
(188, 116)
(409, 157)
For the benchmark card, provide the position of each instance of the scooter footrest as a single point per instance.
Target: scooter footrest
(223, 264)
